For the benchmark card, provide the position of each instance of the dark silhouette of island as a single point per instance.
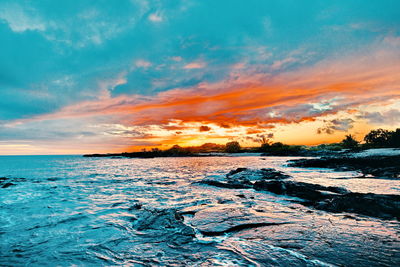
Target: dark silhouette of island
(379, 138)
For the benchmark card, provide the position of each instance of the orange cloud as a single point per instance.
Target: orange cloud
(261, 101)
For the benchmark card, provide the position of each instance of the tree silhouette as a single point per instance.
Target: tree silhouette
(395, 138)
(232, 147)
(349, 142)
(378, 138)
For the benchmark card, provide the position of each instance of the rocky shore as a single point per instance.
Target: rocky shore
(375, 166)
(232, 218)
(327, 198)
(179, 216)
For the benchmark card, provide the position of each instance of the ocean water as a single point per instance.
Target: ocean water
(76, 211)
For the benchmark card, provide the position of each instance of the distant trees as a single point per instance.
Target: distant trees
(395, 138)
(349, 142)
(209, 147)
(383, 138)
(264, 147)
(378, 138)
(280, 149)
(265, 143)
(232, 147)
(177, 151)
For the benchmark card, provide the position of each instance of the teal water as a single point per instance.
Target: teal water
(70, 210)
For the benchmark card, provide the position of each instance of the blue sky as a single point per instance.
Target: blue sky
(56, 55)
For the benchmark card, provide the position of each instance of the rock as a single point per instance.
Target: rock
(266, 254)
(230, 218)
(6, 185)
(311, 192)
(165, 225)
(328, 198)
(136, 206)
(336, 199)
(273, 174)
(7, 182)
(232, 172)
(230, 184)
(255, 175)
(243, 178)
(377, 166)
(374, 205)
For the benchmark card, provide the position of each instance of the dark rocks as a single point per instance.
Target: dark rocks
(328, 198)
(242, 178)
(6, 185)
(8, 182)
(254, 175)
(232, 172)
(229, 184)
(164, 225)
(377, 166)
(273, 174)
(336, 199)
(136, 206)
(312, 192)
(230, 218)
(374, 205)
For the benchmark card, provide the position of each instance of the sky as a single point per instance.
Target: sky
(111, 76)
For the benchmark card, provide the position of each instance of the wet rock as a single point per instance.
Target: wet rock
(4, 180)
(328, 198)
(336, 199)
(377, 166)
(247, 175)
(136, 206)
(230, 218)
(374, 205)
(164, 225)
(243, 178)
(232, 172)
(229, 184)
(269, 255)
(311, 192)
(6, 185)
(273, 174)
(7, 182)
(191, 210)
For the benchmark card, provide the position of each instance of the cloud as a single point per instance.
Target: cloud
(20, 19)
(142, 63)
(194, 65)
(260, 100)
(336, 125)
(280, 63)
(155, 17)
(204, 128)
(390, 117)
(149, 63)
(176, 58)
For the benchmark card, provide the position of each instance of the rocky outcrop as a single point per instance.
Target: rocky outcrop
(377, 166)
(336, 199)
(242, 178)
(230, 218)
(374, 205)
(311, 192)
(328, 198)
(165, 224)
(8, 182)
(255, 175)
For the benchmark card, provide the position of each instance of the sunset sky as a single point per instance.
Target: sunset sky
(112, 76)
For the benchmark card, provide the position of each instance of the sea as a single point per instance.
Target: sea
(76, 211)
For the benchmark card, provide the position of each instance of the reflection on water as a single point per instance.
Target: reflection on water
(84, 211)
